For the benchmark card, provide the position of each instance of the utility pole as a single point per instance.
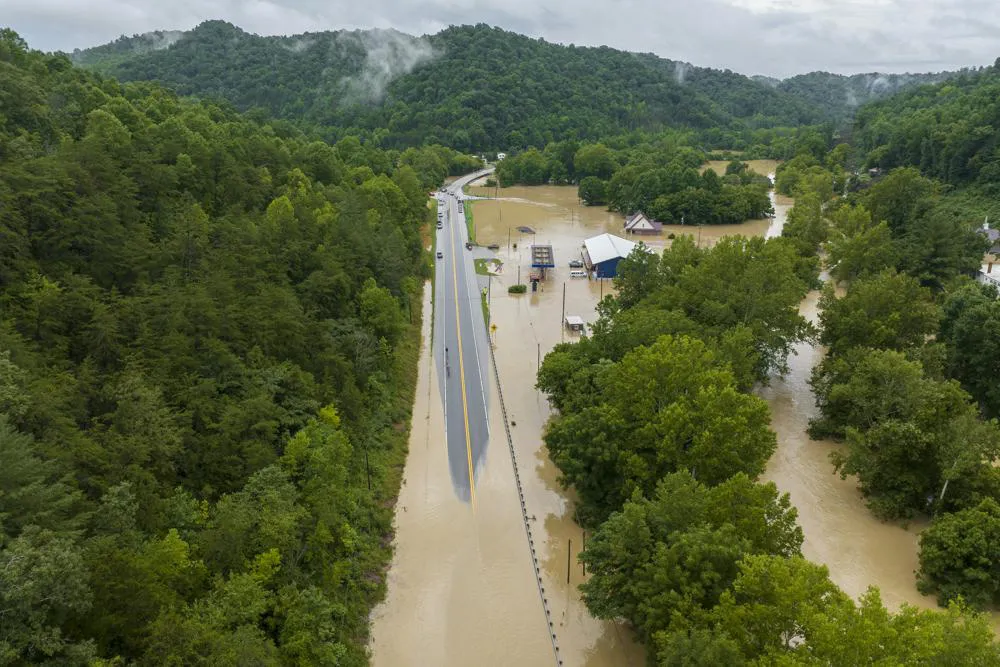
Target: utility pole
(538, 356)
(569, 552)
(508, 239)
(563, 319)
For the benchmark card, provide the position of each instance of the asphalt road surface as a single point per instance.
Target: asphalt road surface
(460, 344)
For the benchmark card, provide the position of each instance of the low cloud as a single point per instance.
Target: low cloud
(773, 37)
(388, 54)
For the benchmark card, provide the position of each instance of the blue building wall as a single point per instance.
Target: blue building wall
(608, 268)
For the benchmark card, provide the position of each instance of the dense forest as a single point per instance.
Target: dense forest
(207, 360)
(840, 96)
(950, 131)
(472, 88)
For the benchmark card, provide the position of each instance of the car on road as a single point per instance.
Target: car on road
(440, 254)
(440, 224)
(576, 264)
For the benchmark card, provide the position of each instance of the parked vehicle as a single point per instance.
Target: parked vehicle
(440, 224)
(494, 246)
(578, 273)
(576, 264)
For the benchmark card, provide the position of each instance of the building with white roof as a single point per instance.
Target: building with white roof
(601, 254)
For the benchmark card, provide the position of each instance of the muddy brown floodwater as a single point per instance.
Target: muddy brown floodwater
(461, 586)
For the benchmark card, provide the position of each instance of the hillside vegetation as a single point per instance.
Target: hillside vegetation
(840, 96)
(185, 295)
(950, 131)
(471, 87)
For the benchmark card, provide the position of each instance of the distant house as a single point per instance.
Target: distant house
(601, 254)
(640, 223)
(994, 237)
(501, 156)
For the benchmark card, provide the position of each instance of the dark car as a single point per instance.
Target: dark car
(576, 264)
(440, 254)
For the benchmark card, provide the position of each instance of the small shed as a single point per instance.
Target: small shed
(640, 223)
(601, 254)
(575, 323)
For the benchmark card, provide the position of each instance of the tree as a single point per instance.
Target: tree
(865, 253)
(380, 311)
(900, 198)
(776, 605)
(594, 160)
(971, 314)
(908, 437)
(637, 276)
(960, 555)
(592, 191)
(43, 583)
(671, 406)
(678, 551)
(887, 311)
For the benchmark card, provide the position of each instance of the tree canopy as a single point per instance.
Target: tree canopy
(205, 335)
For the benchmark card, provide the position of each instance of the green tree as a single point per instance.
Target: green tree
(888, 311)
(592, 191)
(594, 160)
(971, 315)
(960, 555)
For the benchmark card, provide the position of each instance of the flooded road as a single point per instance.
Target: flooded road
(460, 587)
(528, 327)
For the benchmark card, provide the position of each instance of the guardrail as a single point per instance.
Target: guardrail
(524, 509)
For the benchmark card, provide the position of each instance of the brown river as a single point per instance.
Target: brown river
(462, 590)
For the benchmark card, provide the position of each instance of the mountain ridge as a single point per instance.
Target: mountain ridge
(476, 87)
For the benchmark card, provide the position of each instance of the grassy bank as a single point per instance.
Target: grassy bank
(469, 224)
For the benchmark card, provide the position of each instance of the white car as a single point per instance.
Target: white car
(577, 273)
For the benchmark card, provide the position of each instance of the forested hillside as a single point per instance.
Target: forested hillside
(206, 373)
(840, 96)
(950, 131)
(473, 88)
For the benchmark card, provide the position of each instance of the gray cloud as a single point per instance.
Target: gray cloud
(774, 37)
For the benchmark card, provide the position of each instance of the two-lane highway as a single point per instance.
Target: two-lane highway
(460, 343)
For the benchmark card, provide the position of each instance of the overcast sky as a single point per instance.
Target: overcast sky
(774, 37)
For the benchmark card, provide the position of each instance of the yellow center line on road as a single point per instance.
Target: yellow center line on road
(461, 361)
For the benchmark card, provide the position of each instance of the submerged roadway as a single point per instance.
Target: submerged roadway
(460, 346)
